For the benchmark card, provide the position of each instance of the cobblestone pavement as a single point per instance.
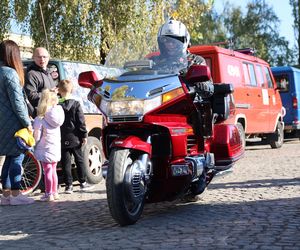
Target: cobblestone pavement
(255, 207)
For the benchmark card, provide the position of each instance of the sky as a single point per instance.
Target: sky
(281, 8)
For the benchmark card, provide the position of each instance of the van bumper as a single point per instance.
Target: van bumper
(291, 127)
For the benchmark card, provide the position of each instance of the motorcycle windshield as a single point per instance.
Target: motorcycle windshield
(145, 75)
(147, 60)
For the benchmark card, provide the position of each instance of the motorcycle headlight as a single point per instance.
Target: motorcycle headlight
(137, 107)
(132, 107)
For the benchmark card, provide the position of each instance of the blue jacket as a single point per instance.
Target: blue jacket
(13, 111)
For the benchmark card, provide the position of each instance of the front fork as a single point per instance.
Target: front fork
(146, 164)
(138, 176)
(142, 166)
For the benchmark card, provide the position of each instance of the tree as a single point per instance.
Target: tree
(296, 14)
(192, 13)
(130, 21)
(5, 14)
(72, 28)
(258, 29)
(87, 29)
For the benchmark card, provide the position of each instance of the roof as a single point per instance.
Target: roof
(284, 69)
(208, 49)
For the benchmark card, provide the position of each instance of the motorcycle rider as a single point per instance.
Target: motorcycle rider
(174, 40)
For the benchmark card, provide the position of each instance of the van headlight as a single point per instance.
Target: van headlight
(129, 108)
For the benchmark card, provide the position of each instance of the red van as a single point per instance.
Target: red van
(258, 109)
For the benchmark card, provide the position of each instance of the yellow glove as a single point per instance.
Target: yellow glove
(26, 135)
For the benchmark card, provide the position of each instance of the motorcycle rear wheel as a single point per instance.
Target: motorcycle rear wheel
(123, 208)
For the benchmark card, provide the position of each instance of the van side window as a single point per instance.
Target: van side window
(249, 73)
(282, 81)
(269, 79)
(246, 74)
(260, 76)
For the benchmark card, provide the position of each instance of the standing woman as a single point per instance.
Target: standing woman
(13, 117)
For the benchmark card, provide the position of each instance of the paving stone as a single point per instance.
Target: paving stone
(254, 207)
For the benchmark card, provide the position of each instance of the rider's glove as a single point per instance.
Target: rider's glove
(205, 89)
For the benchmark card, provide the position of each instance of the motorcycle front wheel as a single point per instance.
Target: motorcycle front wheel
(125, 206)
(31, 173)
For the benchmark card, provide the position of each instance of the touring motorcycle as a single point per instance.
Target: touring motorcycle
(163, 141)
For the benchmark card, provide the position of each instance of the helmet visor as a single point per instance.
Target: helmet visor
(172, 46)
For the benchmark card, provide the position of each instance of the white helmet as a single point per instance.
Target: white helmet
(175, 29)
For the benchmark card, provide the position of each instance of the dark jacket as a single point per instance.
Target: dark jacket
(204, 89)
(36, 80)
(73, 129)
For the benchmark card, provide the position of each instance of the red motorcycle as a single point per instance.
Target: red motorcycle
(162, 141)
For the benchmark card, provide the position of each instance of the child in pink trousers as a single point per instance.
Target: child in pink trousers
(50, 117)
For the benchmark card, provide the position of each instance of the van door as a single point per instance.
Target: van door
(263, 85)
(257, 117)
(286, 82)
(275, 105)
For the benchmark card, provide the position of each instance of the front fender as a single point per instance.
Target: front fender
(132, 142)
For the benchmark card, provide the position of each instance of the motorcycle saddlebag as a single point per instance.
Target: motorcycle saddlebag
(226, 145)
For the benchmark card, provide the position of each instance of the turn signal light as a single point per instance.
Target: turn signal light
(172, 94)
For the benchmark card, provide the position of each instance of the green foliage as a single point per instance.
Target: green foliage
(296, 15)
(193, 14)
(210, 30)
(72, 28)
(136, 20)
(258, 29)
(21, 10)
(85, 30)
(5, 14)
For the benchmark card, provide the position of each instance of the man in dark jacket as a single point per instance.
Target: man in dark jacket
(73, 137)
(38, 77)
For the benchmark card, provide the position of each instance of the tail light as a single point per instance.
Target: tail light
(296, 121)
(226, 144)
(295, 103)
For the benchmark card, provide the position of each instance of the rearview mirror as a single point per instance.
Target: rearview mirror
(198, 73)
(89, 79)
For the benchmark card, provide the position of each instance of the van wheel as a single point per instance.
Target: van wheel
(242, 134)
(280, 136)
(94, 160)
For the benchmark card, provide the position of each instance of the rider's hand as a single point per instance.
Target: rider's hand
(205, 89)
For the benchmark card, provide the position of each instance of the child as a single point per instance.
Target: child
(50, 117)
(74, 136)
